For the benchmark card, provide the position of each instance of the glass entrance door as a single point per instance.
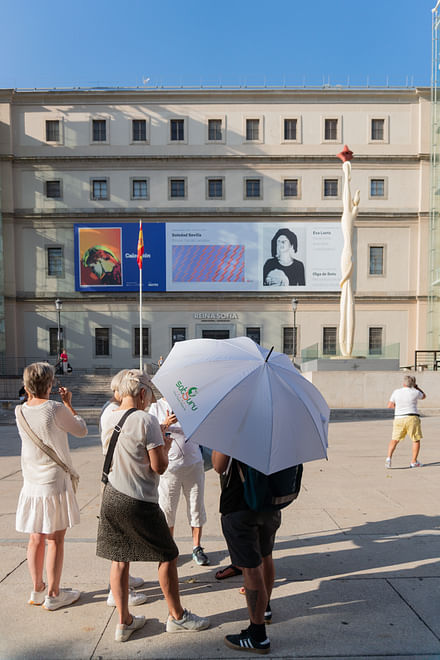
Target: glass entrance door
(215, 334)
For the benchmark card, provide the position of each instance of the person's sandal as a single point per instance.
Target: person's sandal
(229, 571)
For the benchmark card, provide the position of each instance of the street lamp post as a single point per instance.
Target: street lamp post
(294, 307)
(58, 307)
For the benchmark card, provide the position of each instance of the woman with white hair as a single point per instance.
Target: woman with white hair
(132, 526)
(47, 504)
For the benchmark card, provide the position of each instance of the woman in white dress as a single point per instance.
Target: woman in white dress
(47, 504)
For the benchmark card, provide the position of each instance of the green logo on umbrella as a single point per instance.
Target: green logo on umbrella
(187, 394)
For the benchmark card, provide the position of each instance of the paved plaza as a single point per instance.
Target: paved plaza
(357, 563)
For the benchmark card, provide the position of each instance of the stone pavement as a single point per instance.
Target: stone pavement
(357, 563)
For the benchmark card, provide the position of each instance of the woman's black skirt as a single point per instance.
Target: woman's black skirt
(132, 530)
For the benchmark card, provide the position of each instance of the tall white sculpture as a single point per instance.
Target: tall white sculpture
(351, 208)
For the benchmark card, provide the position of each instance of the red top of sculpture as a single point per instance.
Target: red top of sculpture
(345, 154)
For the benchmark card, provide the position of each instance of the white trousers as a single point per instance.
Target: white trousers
(191, 481)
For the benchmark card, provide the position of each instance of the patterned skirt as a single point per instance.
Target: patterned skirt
(132, 530)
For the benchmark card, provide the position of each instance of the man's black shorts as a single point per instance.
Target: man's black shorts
(250, 535)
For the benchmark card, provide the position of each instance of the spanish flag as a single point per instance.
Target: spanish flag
(140, 246)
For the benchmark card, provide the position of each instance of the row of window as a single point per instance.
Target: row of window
(55, 260)
(253, 130)
(102, 340)
(215, 188)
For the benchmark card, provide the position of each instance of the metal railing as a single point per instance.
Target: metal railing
(429, 360)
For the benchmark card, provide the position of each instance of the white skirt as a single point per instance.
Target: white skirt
(44, 509)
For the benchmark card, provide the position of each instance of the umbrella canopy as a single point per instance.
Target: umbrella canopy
(234, 396)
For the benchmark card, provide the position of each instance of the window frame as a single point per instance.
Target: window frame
(52, 275)
(133, 338)
(298, 187)
(386, 122)
(92, 196)
(252, 178)
(298, 139)
(260, 119)
(253, 327)
(138, 178)
(105, 355)
(285, 330)
(180, 327)
(60, 182)
(324, 328)
(62, 336)
(385, 187)
(147, 130)
(214, 178)
(331, 178)
(185, 129)
(107, 130)
(60, 140)
(382, 338)
(221, 118)
(185, 183)
(338, 139)
(369, 247)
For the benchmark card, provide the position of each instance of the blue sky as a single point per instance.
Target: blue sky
(197, 42)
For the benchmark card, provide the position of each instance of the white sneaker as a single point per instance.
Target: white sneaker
(188, 623)
(388, 462)
(416, 464)
(124, 630)
(134, 582)
(37, 597)
(64, 598)
(133, 599)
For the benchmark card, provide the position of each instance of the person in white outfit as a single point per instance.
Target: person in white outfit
(185, 473)
(406, 418)
(106, 410)
(47, 504)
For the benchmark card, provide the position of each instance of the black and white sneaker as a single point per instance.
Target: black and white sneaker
(268, 614)
(199, 556)
(244, 642)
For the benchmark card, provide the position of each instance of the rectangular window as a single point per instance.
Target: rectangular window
(102, 341)
(215, 188)
(54, 342)
(177, 130)
(252, 129)
(375, 341)
(139, 130)
(215, 130)
(177, 188)
(378, 129)
(53, 189)
(254, 334)
(289, 341)
(99, 189)
(290, 126)
(377, 187)
(99, 130)
(145, 341)
(376, 260)
(52, 130)
(55, 262)
(330, 187)
(290, 188)
(329, 341)
(139, 189)
(330, 129)
(253, 188)
(177, 334)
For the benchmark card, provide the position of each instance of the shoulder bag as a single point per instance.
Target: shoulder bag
(112, 444)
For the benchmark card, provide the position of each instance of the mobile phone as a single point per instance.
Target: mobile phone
(167, 434)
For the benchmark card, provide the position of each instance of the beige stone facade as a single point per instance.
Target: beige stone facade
(48, 145)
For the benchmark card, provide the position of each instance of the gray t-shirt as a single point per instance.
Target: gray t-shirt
(131, 472)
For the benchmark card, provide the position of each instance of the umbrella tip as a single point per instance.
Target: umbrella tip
(269, 354)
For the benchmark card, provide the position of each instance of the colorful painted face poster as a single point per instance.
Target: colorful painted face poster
(100, 256)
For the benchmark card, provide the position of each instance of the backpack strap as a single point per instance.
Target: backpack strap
(112, 445)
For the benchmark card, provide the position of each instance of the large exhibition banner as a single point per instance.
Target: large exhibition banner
(209, 256)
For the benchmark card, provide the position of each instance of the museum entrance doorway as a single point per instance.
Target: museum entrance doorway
(215, 334)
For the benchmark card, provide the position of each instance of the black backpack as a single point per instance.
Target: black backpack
(275, 491)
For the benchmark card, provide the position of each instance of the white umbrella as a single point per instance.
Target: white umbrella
(234, 396)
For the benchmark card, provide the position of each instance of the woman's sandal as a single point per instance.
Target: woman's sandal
(229, 571)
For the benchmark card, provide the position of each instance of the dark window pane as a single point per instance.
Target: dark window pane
(330, 188)
(331, 129)
(375, 341)
(177, 188)
(100, 189)
(53, 189)
(177, 334)
(377, 187)
(254, 334)
(289, 340)
(53, 340)
(329, 341)
(177, 129)
(252, 187)
(55, 261)
(377, 129)
(290, 129)
(214, 129)
(215, 188)
(140, 189)
(139, 130)
(52, 130)
(145, 341)
(102, 341)
(99, 130)
(252, 129)
(291, 188)
(376, 260)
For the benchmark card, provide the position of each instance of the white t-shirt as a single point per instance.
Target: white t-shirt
(131, 472)
(182, 451)
(107, 408)
(405, 400)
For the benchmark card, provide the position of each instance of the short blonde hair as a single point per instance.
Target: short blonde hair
(409, 381)
(133, 382)
(116, 380)
(38, 377)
